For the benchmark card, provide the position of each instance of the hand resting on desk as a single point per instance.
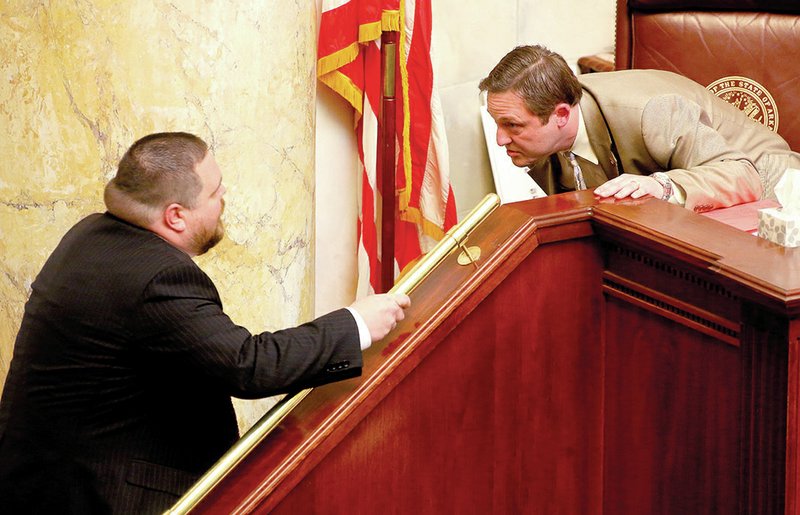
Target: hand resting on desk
(629, 185)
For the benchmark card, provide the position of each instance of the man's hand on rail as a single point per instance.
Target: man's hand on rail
(381, 312)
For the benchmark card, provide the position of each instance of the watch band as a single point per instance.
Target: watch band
(665, 182)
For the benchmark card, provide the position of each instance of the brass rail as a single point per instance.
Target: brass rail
(453, 239)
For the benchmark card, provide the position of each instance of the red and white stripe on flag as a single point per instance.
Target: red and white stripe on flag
(349, 63)
(427, 204)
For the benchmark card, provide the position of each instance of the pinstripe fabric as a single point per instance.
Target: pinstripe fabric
(118, 395)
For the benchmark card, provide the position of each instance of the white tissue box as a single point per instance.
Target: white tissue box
(779, 227)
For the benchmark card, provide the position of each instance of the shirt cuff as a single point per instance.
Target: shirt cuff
(363, 331)
(678, 195)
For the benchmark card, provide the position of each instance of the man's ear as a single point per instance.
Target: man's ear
(562, 112)
(174, 217)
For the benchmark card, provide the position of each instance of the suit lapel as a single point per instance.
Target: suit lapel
(547, 174)
(599, 137)
(555, 175)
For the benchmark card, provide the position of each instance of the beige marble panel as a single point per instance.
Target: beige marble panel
(82, 80)
(468, 40)
(573, 28)
(470, 37)
(468, 153)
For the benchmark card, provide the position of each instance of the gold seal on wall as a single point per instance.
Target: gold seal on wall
(749, 97)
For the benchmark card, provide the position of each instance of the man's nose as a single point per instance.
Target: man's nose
(502, 137)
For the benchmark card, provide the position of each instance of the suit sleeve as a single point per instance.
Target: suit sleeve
(680, 138)
(182, 326)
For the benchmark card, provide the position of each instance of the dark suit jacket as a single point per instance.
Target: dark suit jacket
(118, 395)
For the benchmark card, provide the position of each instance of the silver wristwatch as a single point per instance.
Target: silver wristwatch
(665, 182)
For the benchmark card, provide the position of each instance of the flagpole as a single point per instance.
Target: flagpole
(386, 158)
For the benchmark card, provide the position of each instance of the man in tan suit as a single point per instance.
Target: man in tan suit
(630, 133)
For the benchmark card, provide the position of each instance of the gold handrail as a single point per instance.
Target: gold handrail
(453, 239)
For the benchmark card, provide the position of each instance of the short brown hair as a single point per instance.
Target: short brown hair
(157, 170)
(542, 78)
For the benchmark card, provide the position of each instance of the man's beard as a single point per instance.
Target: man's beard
(206, 240)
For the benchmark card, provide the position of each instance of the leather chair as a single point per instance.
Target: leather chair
(745, 51)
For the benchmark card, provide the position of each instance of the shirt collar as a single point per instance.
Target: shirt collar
(582, 146)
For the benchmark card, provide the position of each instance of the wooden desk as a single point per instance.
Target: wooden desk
(598, 358)
(744, 216)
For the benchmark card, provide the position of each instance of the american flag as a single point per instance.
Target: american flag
(349, 62)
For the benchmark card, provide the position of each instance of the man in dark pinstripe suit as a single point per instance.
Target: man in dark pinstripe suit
(118, 396)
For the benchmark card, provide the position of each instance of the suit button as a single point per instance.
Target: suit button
(333, 367)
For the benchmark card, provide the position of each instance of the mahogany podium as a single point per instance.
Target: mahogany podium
(566, 356)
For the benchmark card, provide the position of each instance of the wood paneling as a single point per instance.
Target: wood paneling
(498, 419)
(599, 358)
(672, 416)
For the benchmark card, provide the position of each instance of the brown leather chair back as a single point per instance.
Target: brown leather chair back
(747, 51)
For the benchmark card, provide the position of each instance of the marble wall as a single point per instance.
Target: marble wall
(80, 81)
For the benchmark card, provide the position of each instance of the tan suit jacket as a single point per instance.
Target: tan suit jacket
(645, 121)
